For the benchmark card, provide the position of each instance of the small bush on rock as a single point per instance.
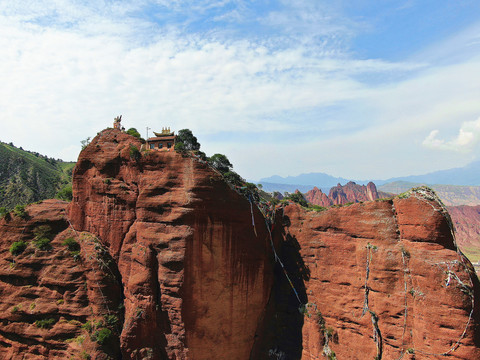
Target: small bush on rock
(17, 248)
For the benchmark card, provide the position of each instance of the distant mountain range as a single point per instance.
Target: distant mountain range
(468, 175)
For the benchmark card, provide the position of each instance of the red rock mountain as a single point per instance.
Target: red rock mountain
(341, 195)
(170, 267)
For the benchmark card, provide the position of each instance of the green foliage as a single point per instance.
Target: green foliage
(3, 211)
(189, 141)
(220, 162)
(27, 177)
(18, 247)
(101, 336)
(42, 231)
(43, 244)
(71, 244)
(233, 178)
(15, 309)
(133, 132)
(20, 211)
(134, 153)
(88, 326)
(85, 142)
(65, 193)
(179, 147)
(201, 155)
(111, 320)
(317, 208)
(298, 198)
(84, 355)
(45, 323)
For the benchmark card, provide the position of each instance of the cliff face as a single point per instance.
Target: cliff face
(380, 279)
(194, 273)
(170, 264)
(53, 300)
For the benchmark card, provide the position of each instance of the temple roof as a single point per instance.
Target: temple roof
(165, 132)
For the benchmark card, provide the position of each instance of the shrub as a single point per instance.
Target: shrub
(189, 141)
(220, 162)
(298, 198)
(45, 323)
(134, 153)
(65, 193)
(84, 355)
(71, 244)
(3, 211)
(133, 132)
(111, 320)
(17, 248)
(101, 336)
(43, 244)
(88, 326)
(20, 211)
(233, 178)
(42, 231)
(179, 147)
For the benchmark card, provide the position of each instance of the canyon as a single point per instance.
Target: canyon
(174, 263)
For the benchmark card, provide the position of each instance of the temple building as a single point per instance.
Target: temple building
(162, 141)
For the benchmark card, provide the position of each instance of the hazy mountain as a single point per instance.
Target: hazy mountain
(321, 180)
(468, 175)
(26, 177)
(451, 195)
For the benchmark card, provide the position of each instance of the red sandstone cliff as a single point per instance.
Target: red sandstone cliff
(467, 224)
(380, 279)
(168, 249)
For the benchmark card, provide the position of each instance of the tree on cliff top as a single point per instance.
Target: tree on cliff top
(220, 162)
(189, 141)
(133, 132)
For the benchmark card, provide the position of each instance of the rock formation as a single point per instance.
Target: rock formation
(174, 264)
(341, 195)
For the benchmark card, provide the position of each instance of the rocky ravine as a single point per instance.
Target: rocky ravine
(187, 277)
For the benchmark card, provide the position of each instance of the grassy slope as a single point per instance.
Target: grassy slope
(26, 177)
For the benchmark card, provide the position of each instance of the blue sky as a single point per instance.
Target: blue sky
(357, 89)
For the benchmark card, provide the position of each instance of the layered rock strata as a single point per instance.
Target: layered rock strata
(174, 264)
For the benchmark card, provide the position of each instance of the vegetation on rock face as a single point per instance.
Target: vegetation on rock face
(65, 193)
(134, 153)
(27, 177)
(71, 244)
(45, 323)
(298, 198)
(220, 162)
(133, 132)
(18, 247)
(20, 211)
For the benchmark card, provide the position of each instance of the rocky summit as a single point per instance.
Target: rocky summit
(157, 257)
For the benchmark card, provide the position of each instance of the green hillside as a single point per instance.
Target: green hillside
(27, 177)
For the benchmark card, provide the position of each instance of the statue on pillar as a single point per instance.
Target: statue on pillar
(117, 122)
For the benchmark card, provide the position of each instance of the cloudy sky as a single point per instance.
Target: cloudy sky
(281, 87)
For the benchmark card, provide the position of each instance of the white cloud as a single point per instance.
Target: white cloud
(468, 136)
(65, 80)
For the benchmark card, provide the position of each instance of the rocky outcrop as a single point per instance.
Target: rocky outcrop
(195, 273)
(467, 224)
(175, 264)
(341, 195)
(54, 301)
(379, 279)
(317, 197)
